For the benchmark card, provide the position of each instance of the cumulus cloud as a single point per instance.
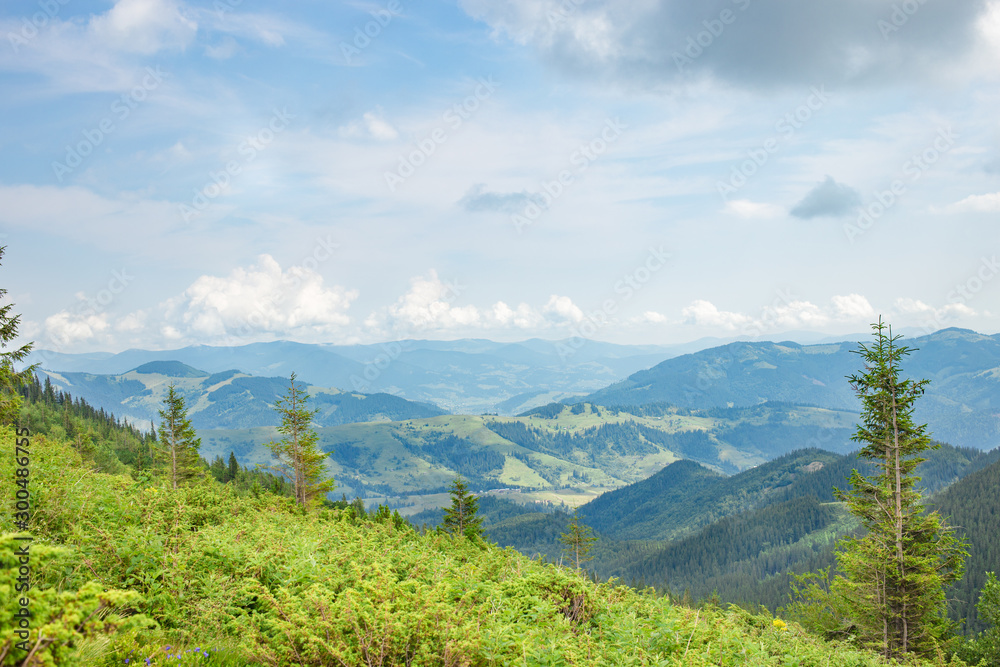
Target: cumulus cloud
(563, 307)
(830, 199)
(853, 307)
(988, 203)
(428, 305)
(705, 313)
(260, 300)
(935, 318)
(740, 42)
(480, 199)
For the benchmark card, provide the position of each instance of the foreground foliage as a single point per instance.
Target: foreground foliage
(262, 582)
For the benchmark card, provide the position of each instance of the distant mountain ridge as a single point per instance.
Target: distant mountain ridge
(469, 376)
(961, 404)
(228, 399)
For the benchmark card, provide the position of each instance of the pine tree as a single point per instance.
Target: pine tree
(578, 539)
(896, 573)
(179, 444)
(10, 380)
(460, 518)
(299, 458)
(234, 467)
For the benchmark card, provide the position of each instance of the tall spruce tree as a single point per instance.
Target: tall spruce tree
(299, 459)
(178, 442)
(897, 571)
(10, 379)
(461, 518)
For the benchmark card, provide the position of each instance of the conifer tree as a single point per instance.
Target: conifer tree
(460, 518)
(10, 380)
(299, 459)
(234, 467)
(896, 573)
(178, 442)
(578, 539)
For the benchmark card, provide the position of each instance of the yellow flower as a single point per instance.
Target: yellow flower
(779, 624)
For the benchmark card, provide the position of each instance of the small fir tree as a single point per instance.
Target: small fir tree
(577, 541)
(178, 442)
(299, 459)
(460, 518)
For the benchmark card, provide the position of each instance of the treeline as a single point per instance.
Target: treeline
(115, 446)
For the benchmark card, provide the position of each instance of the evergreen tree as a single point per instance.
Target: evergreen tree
(578, 539)
(10, 380)
(299, 458)
(460, 518)
(179, 444)
(896, 573)
(234, 467)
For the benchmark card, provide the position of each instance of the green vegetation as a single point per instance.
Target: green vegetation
(255, 581)
(893, 591)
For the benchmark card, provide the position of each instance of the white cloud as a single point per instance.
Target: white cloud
(67, 328)
(988, 203)
(260, 299)
(653, 317)
(745, 208)
(564, 307)
(372, 125)
(704, 313)
(853, 307)
(524, 317)
(143, 26)
(428, 306)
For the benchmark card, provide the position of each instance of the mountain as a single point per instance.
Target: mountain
(228, 399)
(961, 404)
(469, 375)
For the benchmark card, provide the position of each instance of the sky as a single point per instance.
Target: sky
(636, 171)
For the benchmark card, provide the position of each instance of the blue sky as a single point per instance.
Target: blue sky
(645, 171)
